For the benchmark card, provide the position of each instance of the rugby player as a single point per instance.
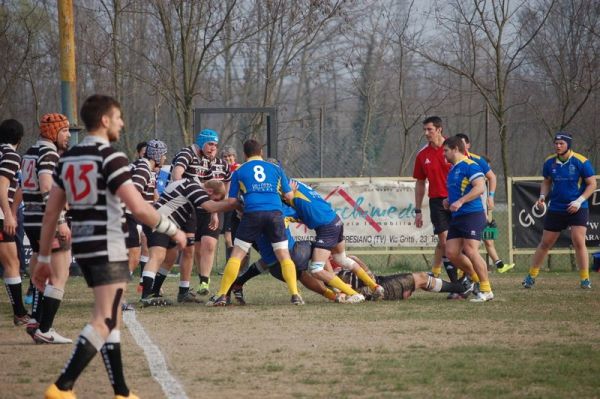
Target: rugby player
(229, 155)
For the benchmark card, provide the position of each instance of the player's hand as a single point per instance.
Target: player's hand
(575, 205)
(10, 224)
(490, 202)
(63, 232)
(455, 206)
(180, 239)
(419, 220)
(540, 203)
(41, 275)
(294, 185)
(445, 203)
(214, 221)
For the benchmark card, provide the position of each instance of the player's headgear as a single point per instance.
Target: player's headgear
(566, 137)
(228, 150)
(206, 136)
(155, 149)
(51, 124)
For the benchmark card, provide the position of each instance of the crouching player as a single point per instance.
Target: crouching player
(93, 178)
(178, 202)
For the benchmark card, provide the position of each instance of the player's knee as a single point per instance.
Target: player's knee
(316, 267)
(243, 245)
(280, 245)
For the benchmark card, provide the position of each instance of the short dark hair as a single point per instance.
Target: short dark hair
(11, 131)
(455, 142)
(252, 147)
(436, 120)
(94, 108)
(141, 145)
(464, 137)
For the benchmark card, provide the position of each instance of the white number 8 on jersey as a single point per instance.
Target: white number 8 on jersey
(259, 173)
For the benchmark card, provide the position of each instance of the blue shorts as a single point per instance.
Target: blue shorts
(558, 221)
(330, 235)
(468, 226)
(253, 224)
(301, 255)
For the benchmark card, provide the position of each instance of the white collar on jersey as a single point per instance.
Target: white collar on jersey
(94, 139)
(46, 143)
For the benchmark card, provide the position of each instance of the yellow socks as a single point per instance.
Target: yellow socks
(474, 277)
(534, 271)
(288, 269)
(436, 270)
(485, 286)
(329, 294)
(364, 277)
(232, 268)
(584, 274)
(337, 282)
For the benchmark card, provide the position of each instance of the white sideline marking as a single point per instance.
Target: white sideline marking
(158, 367)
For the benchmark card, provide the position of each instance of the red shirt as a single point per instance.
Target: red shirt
(431, 165)
(233, 167)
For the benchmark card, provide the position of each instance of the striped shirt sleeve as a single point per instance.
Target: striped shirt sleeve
(10, 163)
(196, 194)
(183, 158)
(47, 161)
(141, 178)
(115, 169)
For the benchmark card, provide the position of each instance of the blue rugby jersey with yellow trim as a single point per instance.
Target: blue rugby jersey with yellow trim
(311, 208)
(567, 179)
(261, 184)
(460, 180)
(483, 164)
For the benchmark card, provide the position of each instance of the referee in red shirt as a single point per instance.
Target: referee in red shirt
(431, 165)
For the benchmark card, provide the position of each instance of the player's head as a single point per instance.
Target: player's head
(465, 140)
(156, 151)
(432, 128)
(11, 132)
(252, 148)
(102, 113)
(140, 148)
(215, 189)
(228, 153)
(55, 127)
(454, 148)
(207, 140)
(562, 142)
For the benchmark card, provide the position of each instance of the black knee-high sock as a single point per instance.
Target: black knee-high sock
(88, 344)
(15, 295)
(452, 287)
(147, 283)
(111, 355)
(450, 269)
(251, 272)
(158, 281)
(52, 299)
(36, 305)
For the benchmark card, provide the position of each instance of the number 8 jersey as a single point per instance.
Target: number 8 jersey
(261, 184)
(90, 174)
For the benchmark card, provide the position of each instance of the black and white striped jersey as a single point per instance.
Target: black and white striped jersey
(201, 166)
(41, 158)
(10, 164)
(90, 173)
(144, 179)
(180, 199)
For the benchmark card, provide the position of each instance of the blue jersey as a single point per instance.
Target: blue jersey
(483, 164)
(311, 208)
(460, 180)
(265, 248)
(567, 180)
(261, 184)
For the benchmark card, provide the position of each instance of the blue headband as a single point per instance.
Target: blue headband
(566, 137)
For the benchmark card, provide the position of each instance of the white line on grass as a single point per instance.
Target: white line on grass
(158, 367)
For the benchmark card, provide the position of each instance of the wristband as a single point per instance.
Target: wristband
(61, 221)
(580, 200)
(491, 194)
(417, 210)
(44, 258)
(542, 196)
(165, 226)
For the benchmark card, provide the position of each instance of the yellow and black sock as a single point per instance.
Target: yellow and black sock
(534, 271)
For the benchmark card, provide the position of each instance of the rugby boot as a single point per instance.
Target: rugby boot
(21, 320)
(297, 300)
(506, 267)
(586, 284)
(483, 296)
(50, 337)
(217, 301)
(203, 288)
(238, 294)
(52, 392)
(528, 282)
(31, 327)
(378, 293)
(356, 298)
(188, 297)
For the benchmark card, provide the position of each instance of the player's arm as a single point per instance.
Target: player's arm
(544, 190)
(590, 187)
(419, 194)
(225, 205)
(10, 223)
(177, 173)
(478, 184)
(16, 201)
(492, 182)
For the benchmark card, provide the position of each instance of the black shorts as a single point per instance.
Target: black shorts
(3, 236)
(227, 216)
(468, 226)
(133, 235)
(33, 234)
(301, 255)
(253, 224)
(440, 217)
(330, 235)
(156, 239)
(190, 225)
(558, 221)
(235, 223)
(202, 229)
(105, 273)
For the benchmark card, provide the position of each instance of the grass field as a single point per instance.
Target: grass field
(539, 343)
